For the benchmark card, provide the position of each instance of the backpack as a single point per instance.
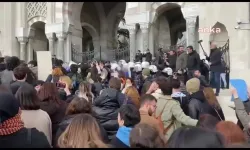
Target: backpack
(161, 124)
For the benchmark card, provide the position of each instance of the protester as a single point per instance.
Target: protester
(128, 117)
(147, 109)
(181, 97)
(54, 77)
(193, 137)
(13, 134)
(85, 92)
(198, 104)
(208, 122)
(145, 136)
(242, 114)
(202, 78)
(213, 102)
(231, 132)
(74, 76)
(82, 132)
(168, 110)
(75, 107)
(113, 99)
(33, 67)
(32, 115)
(7, 74)
(50, 102)
(130, 91)
(20, 75)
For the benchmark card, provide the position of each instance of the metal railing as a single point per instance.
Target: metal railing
(226, 54)
(79, 57)
(121, 53)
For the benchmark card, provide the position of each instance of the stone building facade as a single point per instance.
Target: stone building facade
(27, 27)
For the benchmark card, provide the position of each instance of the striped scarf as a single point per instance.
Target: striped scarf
(12, 125)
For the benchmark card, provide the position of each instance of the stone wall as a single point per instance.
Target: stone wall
(227, 13)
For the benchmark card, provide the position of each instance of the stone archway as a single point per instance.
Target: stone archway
(169, 26)
(38, 40)
(221, 36)
(93, 36)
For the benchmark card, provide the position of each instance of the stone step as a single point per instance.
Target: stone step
(226, 104)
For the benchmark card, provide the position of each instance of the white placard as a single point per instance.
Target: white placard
(44, 64)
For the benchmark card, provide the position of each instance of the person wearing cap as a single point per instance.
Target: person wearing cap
(13, 134)
(198, 104)
(147, 80)
(193, 61)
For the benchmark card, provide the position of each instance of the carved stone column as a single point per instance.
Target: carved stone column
(145, 36)
(190, 25)
(30, 49)
(23, 50)
(51, 39)
(60, 50)
(132, 44)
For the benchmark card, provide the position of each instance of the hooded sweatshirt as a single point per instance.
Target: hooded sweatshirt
(121, 139)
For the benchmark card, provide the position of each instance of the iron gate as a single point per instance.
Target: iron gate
(79, 57)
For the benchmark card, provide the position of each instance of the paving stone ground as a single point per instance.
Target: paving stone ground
(225, 102)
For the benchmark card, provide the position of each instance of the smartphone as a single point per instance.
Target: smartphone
(241, 87)
(60, 85)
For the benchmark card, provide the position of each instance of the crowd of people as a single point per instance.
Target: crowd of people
(97, 104)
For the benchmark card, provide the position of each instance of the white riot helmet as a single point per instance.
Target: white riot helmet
(145, 64)
(131, 65)
(138, 68)
(115, 66)
(168, 71)
(153, 68)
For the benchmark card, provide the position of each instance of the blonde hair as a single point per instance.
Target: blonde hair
(82, 132)
(67, 80)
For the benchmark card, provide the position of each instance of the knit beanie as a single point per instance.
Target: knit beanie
(146, 72)
(193, 85)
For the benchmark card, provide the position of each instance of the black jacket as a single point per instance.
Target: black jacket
(68, 119)
(148, 57)
(183, 99)
(215, 59)
(105, 109)
(172, 61)
(138, 57)
(198, 106)
(25, 139)
(15, 86)
(56, 113)
(116, 143)
(193, 61)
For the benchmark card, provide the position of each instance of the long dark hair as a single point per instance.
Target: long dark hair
(49, 92)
